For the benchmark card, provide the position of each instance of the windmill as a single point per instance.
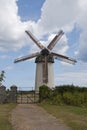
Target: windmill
(44, 60)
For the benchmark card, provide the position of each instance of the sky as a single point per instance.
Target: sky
(44, 18)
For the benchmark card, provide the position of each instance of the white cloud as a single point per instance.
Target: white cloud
(12, 29)
(62, 45)
(82, 52)
(82, 22)
(54, 16)
(58, 14)
(64, 14)
(4, 57)
(77, 78)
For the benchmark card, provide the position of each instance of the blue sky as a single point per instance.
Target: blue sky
(44, 19)
(29, 9)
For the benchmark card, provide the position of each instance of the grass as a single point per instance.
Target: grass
(74, 117)
(5, 110)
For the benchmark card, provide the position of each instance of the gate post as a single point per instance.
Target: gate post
(2, 94)
(13, 94)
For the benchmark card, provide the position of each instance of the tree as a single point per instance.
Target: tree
(2, 76)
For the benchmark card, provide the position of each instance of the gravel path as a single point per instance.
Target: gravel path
(33, 117)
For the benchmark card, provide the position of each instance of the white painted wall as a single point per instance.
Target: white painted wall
(50, 75)
(39, 76)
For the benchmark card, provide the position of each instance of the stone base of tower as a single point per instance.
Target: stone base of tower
(39, 76)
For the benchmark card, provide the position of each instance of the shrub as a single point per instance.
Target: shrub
(66, 94)
(44, 93)
(56, 100)
(76, 99)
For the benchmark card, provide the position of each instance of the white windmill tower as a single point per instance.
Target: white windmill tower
(44, 61)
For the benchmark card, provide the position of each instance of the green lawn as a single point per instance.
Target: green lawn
(5, 110)
(74, 117)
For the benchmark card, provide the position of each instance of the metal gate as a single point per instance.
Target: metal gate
(27, 97)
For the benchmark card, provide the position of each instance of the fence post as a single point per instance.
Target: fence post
(13, 94)
(2, 94)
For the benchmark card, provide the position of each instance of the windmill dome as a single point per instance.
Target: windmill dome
(45, 52)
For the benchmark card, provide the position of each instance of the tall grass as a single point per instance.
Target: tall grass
(67, 103)
(5, 110)
(72, 116)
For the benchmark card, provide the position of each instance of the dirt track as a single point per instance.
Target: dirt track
(33, 117)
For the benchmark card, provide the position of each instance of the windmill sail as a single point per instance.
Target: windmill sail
(64, 58)
(55, 40)
(35, 40)
(26, 57)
